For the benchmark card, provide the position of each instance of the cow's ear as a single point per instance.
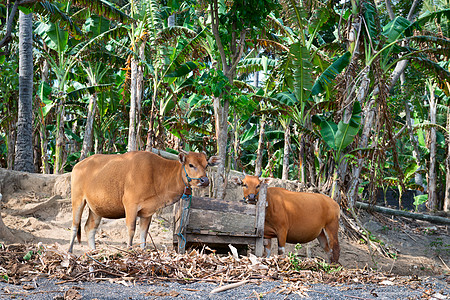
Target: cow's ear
(213, 161)
(182, 157)
(236, 180)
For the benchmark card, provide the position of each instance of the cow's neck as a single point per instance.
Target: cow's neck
(179, 186)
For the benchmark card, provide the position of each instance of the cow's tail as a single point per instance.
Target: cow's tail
(79, 233)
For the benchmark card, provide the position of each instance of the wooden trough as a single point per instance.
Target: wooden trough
(216, 223)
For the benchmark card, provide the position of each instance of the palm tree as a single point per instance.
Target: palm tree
(24, 143)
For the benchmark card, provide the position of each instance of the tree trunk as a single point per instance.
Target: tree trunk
(60, 139)
(221, 117)
(259, 153)
(136, 90)
(24, 143)
(415, 143)
(11, 136)
(221, 106)
(432, 196)
(286, 150)
(45, 169)
(369, 117)
(447, 167)
(402, 213)
(88, 134)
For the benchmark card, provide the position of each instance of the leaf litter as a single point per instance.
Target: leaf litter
(24, 263)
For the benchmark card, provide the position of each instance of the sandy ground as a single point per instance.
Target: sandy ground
(33, 216)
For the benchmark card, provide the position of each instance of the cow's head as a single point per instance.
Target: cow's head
(194, 167)
(250, 185)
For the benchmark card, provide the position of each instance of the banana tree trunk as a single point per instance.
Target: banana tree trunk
(432, 197)
(259, 153)
(447, 167)
(88, 134)
(11, 136)
(369, 117)
(45, 168)
(415, 143)
(60, 140)
(286, 150)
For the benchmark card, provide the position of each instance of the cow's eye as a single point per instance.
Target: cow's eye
(244, 185)
(257, 187)
(191, 166)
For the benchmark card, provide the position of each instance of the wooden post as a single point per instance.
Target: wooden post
(260, 218)
(184, 220)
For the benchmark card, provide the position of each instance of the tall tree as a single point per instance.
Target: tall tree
(24, 143)
(235, 19)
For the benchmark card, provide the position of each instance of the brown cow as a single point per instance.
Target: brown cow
(131, 185)
(296, 217)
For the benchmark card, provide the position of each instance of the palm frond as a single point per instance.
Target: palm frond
(330, 73)
(105, 9)
(270, 46)
(250, 65)
(433, 69)
(55, 15)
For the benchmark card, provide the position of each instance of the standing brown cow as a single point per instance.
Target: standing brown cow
(296, 217)
(131, 185)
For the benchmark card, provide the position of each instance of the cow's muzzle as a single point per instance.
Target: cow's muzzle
(251, 199)
(203, 181)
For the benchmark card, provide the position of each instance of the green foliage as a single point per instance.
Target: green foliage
(339, 136)
(327, 77)
(248, 13)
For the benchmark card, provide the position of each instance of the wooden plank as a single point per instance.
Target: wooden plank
(209, 239)
(260, 218)
(223, 206)
(221, 221)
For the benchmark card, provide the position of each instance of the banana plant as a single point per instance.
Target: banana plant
(338, 136)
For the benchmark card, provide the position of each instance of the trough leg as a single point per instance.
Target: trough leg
(77, 211)
(144, 224)
(91, 228)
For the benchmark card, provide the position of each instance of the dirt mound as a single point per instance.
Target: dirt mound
(37, 208)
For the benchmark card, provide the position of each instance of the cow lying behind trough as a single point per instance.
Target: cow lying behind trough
(131, 185)
(294, 217)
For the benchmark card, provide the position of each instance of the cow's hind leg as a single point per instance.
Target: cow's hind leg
(91, 228)
(77, 212)
(267, 247)
(332, 231)
(323, 240)
(281, 237)
(144, 224)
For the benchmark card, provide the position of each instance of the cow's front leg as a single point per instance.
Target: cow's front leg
(144, 224)
(130, 221)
